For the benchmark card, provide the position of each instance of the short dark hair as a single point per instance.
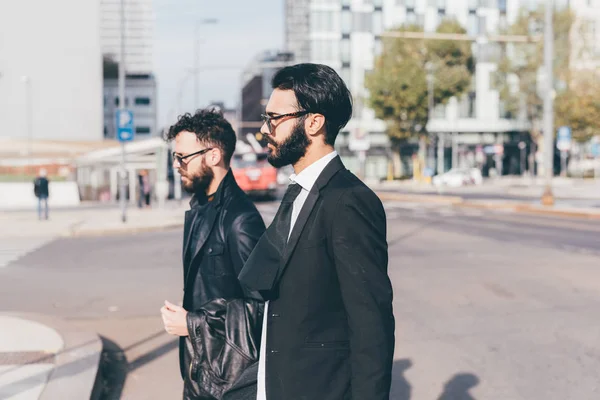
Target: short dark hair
(319, 89)
(211, 128)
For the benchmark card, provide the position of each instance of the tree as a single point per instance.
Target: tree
(398, 83)
(525, 62)
(579, 106)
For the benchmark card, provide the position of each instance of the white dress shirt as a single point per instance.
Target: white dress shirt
(306, 179)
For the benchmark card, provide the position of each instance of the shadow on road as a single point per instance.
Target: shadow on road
(457, 388)
(401, 389)
(112, 372)
(114, 366)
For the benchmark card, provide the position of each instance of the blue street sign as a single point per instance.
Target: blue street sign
(596, 146)
(563, 140)
(125, 131)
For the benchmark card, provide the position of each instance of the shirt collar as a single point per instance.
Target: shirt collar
(309, 175)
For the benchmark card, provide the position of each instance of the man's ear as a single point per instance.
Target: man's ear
(314, 124)
(214, 157)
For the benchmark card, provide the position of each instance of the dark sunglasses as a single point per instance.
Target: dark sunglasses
(267, 119)
(179, 158)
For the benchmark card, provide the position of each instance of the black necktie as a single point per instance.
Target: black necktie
(283, 219)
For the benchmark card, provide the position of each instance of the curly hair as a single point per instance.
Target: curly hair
(211, 129)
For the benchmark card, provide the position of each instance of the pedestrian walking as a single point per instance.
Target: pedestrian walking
(41, 189)
(221, 229)
(328, 331)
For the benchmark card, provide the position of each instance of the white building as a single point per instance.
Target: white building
(585, 34)
(139, 31)
(345, 34)
(50, 70)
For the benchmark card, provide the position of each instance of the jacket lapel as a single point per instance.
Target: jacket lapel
(330, 170)
(266, 265)
(190, 215)
(305, 212)
(210, 216)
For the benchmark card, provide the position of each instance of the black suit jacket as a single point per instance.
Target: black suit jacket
(218, 238)
(330, 325)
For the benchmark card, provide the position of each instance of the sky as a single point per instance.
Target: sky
(244, 29)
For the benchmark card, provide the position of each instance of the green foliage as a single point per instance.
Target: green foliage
(398, 83)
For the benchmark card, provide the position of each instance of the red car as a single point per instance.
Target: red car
(254, 174)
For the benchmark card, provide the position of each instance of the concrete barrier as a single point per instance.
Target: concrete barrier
(19, 195)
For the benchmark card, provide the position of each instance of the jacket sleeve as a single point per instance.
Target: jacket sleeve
(245, 231)
(360, 255)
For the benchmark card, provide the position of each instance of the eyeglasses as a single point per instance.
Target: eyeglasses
(267, 118)
(179, 158)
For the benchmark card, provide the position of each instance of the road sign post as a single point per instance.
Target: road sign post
(125, 134)
(563, 143)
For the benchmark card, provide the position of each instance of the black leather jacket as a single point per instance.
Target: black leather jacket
(225, 336)
(218, 238)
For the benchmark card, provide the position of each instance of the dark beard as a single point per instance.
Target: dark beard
(291, 149)
(200, 181)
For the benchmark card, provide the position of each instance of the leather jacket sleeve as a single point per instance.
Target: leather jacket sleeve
(225, 337)
(243, 236)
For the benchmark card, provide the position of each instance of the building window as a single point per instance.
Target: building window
(322, 21)
(481, 28)
(345, 50)
(117, 101)
(472, 25)
(142, 101)
(346, 22)
(502, 6)
(413, 19)
(362, 22)
(377, 23)
(346, 75)
(105, 131)
(323, 50)
(142, 130)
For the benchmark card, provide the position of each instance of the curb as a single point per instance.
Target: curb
(419, 198)
(75, 373)
(524, 208)
(121, 231)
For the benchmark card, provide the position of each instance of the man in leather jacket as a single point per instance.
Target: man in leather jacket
(221, 229)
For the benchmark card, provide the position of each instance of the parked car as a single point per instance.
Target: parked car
(254, 174)
(457, 177)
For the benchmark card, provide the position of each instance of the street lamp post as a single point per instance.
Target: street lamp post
(430, 106)
(28, 115)
(206, 21)
(122, 67)
(548, 197)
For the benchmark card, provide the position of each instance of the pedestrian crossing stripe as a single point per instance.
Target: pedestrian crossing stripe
(13, 249)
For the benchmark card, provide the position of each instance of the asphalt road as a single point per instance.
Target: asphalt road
(488, 306)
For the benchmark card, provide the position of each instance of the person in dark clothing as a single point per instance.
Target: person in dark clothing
(321, 266)
(221, 228)
(42, 192)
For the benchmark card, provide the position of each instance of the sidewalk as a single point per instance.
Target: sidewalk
(519, 187)
(91, 221)
(45, 358)
(562, 208)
